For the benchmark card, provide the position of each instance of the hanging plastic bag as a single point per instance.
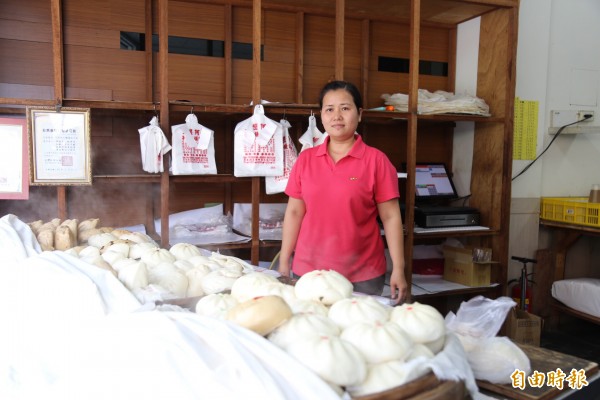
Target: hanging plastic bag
(258, 146)
(193, 148)
(277, 184)
(476, 324)
(153, 145)
(480, 317)
(313, 136)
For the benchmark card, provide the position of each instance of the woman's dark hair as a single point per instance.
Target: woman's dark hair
(349, 87)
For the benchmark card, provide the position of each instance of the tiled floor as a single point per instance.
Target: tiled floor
(574, 337)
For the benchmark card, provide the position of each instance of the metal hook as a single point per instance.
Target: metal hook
(284, 110)
(191, 112)
(155, 111)
(58, 107)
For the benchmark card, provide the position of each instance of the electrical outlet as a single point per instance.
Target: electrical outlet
(564, 120)
(581, 115)
(563, 117)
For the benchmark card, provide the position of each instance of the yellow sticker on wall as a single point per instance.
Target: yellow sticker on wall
(525, 127)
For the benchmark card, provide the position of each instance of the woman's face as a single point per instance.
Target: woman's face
(339, 114)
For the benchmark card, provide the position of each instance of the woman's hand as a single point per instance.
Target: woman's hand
(284, 268)
(398, 286)
(294, 214)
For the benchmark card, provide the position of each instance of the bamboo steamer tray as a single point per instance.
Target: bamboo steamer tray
(428, 387)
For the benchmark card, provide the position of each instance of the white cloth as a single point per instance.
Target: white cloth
(581, 294)
(72, 331)
(440, 102)
(154, 145)
(20, 239)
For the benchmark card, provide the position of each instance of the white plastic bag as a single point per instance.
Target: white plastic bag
(153, 145)
(313, 136)
(277, 184)
(476, 324)
(480, 317)
(258, 146)
(193, 148)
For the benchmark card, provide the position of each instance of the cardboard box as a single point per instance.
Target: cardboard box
(523, 327)
(459, 266)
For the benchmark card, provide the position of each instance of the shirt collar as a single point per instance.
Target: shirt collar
(357, 150)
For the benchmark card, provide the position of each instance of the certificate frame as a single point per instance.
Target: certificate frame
(59, 146)
(14, 165)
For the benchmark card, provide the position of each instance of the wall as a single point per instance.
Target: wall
(558, 65)
(557, 50)
(532, 63)
(574, 56)
(467, 53)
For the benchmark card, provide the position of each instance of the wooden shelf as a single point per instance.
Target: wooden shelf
(397, 115)
(244, 245)
(448, 15)
(126, 178)
(94, 104)
(459, 117)
(185, 106)
(301, 46)
(576, 227)
(289, 108)
(219, 178)
(431, 235)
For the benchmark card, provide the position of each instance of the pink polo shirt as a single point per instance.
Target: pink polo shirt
(339, 230)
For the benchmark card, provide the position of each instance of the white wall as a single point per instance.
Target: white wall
(532, 65)
(467, 53)
(558, 64)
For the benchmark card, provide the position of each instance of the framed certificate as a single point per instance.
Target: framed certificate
(14, 162)
(59, 146)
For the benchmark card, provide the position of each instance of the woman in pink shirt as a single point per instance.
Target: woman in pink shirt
(336, 192)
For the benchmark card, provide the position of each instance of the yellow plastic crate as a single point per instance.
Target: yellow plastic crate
(570, 210)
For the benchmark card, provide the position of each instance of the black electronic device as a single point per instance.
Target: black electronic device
(441, 216)
(434, 188)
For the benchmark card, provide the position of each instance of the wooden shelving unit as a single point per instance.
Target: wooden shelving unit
(69, 54)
